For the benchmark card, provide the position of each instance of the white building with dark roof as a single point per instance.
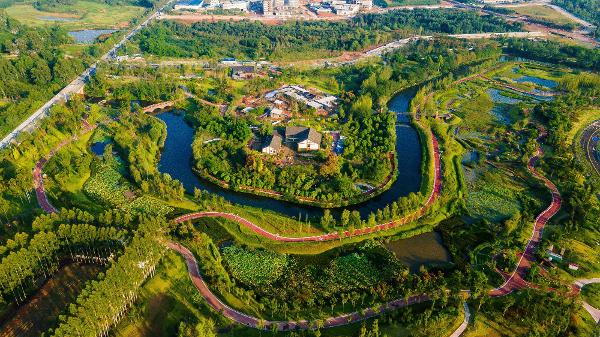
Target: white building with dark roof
(306, 139)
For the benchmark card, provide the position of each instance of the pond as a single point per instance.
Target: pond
(176, 160)
(537, 80)
(421, 250)
(98, 147)
(57, 18)
(498, 97)
(89, 35)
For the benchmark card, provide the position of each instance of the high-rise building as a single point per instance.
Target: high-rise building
(293, 3)
(267, 7)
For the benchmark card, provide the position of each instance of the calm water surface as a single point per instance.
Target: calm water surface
(89, 35)
(423, 249)
(176, 160)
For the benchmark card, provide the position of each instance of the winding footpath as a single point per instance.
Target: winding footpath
(433, 195)
(516, 280)
(513, 282)
(255, 322)
(577, 285)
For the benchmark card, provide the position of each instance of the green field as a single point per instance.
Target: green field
(543, 13)
(80, 15)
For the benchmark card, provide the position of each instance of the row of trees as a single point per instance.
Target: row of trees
(103, 303)
(21, 268)
(586, 9)
(555, 53)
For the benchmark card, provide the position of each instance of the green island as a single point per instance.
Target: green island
(422, 172)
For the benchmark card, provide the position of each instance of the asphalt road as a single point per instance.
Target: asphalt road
(590, 142)
(77, 84)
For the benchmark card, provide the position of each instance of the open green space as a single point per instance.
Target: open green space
(119, 205)
(543, 13)
(76, 16)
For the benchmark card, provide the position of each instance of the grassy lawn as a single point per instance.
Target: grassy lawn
(483, 326)
(41, 312)
(164, 301)
(80, 15)
(543, 13)
(170, 298)
(591, 294)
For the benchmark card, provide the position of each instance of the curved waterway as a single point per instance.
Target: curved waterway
(176, 160)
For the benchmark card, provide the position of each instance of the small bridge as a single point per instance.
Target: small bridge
(158, 106)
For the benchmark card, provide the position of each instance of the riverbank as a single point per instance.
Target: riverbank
(406, 179)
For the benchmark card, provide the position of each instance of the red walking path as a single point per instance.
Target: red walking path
(254, 322)
(513, 282)
(516, 280)
(433, 195)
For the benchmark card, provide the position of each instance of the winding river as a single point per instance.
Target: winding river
(176, 160)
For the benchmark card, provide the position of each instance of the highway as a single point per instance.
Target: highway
(76, 86)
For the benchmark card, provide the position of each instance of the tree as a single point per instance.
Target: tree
(327, 219)
(345, 219)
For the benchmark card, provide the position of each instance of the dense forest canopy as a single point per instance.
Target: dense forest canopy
(247, 39)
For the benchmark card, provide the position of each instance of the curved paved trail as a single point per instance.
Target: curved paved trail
(516, 280)
(577, 285)
(463, 326)
(255, 322)
(435, 191)
(589, 141)
(38, 175)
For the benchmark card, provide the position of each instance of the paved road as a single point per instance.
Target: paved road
(577, 285)
(589, 143)
(76, 85)
(516, 280)
(391, 46)
(465, 322)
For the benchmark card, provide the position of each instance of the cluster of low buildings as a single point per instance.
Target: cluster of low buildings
(300, 137)
(280, 99)
(341, 7)
(282, 8)
(559, 257)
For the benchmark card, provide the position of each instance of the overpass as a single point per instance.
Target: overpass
(77, 85)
